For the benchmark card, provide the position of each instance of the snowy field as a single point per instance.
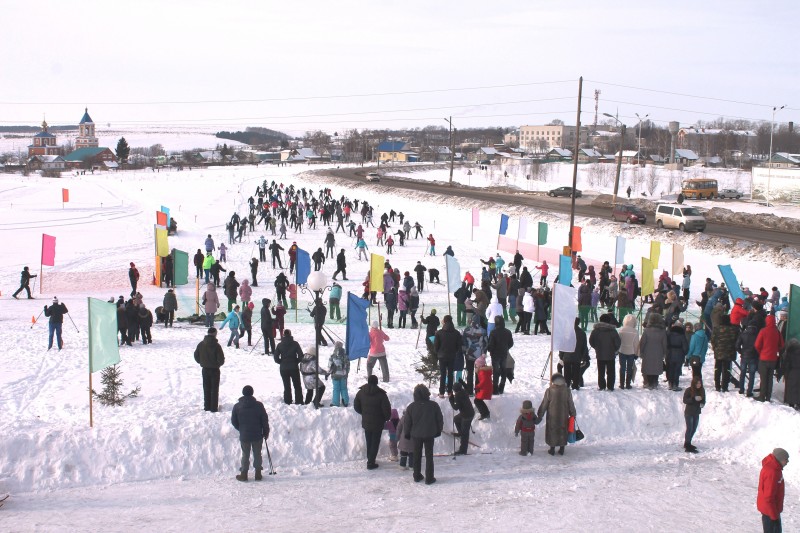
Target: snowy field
(160, 463)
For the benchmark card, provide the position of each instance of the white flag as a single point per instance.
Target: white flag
(523, 228)
(565, 310)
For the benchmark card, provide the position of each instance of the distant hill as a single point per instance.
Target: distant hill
(255, 136)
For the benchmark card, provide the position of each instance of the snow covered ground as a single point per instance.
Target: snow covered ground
(161, 463)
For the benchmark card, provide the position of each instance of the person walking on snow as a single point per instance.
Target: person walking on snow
(771, 490)
(24, 283)
(432, 242)
(558, 407)
(56, 313)
(251, 421)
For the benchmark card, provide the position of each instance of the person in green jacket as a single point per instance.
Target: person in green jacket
(207, 262)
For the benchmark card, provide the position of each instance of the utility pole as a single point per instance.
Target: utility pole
(452, 147)
(575, 164)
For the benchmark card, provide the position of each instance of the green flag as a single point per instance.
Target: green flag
(180, 267)
(542, 233)
(103, 346)
(793, 327)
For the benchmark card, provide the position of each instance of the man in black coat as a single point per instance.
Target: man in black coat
(198, 262)
(431, 325)
(606, 342)
(318, 313)
(266, 326)
(56, 313)
(276, 250)
(420, 270)
(446, 344)
(210, 357)
(466, 412)
(576, 362)
(231, 286)
(341, 265)
(517, 261)
(500, 342)
(133, 276)
(288, 354)
(373, 405)
(251, 421)
(170, 305)
(424, 423)
(24, 283)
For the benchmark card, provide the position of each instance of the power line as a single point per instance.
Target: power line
(672, 93)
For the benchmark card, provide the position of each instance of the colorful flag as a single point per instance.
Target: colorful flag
(303, 266)
(564, 270)
(65, 195)
(376, 263)
(793, 327)
(48, 250)
(565, 310)
(730, 281)
(619, 258)
(476, 216)
(453, 273)
(162, 242)
(542, 233)
(165, 210)
(103, 343)
(523, 228)
(161, 218)
(503, 224)
(648, 282)
(655, 253)
(576, 244)
(677, 260)
(356, 341)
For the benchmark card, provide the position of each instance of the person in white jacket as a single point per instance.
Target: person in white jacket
(495, 309)
(528, 307)
(628, 351)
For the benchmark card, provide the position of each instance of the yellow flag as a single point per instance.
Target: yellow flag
(648, 283)
(162, 246)
(655, 252)
(376, 263)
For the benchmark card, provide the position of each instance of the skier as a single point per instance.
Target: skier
(209, 244)
(432, 242)
(276, 250)
(24, 283)
(341, 265)
(466, 413)
(318, 258)
(56, 313)
(254, 271)
(420, 270)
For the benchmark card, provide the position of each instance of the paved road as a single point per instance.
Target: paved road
(540, 200)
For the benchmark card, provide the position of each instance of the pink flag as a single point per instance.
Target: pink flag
(48, 250)
(476, 216)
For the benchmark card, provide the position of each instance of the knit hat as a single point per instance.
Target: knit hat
(433, 311)
(527, 405)
(247, 390)
(212, 332)
(55, 300)
(781, 454)
(375, 324)
(132, 265)
(373, 379)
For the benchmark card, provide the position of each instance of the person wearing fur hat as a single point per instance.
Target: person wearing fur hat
(462, 422)
(653, 348)
(424, 424)
(606, 343)
(210, 357)
(251, 421)
(526, 425)
(558, 407)
(377, 351)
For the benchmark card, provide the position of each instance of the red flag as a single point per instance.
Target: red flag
(65, 195)
(48, 250)
(161, 218)
(577, 245)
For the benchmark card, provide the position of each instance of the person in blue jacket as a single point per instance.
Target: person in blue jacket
(698, 347)
(233, 320)
(333, 301)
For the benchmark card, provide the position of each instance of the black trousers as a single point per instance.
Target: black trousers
(211, 389)
(483, 409)
(722, 373)
(373, 440)
(419, 444)
(316, 397)
(572, 375)
(291, 378)
(606, 374)
(269, 340)
(463, 426)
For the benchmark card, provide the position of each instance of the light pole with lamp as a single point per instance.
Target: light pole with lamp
(769, 160)
(639, 148)
(619, 161)
(317, 283)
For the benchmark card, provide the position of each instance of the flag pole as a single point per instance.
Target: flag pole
(91, 419)
(553, 333)
(616, 247)
(91, 414)
(297, 305)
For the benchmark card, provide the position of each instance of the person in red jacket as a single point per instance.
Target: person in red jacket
(768, 343)
(483, 386)
(432, 242)
(738, 312)
(771, 489)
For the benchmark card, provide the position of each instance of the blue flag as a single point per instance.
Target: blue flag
(303, 266)
(453, 273)
(619, 259)
(564, 270)
(503, 224)
(356, 329)
(730, 281)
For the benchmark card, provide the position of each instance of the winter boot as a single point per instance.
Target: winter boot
(258, 475)
(242, 476)
(552, 450)
(560, 450)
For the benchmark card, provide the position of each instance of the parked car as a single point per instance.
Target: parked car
(729, 193)
(564, 191)
(373, 176)
(628, 213)
(680, 217)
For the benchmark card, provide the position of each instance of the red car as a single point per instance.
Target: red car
(628, 213)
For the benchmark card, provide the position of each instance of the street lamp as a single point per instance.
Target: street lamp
(639, 149)
(317, 282)
(619, 162)
(449, 120)
(769, 161)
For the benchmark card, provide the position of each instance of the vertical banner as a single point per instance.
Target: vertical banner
(648, 282)
(565, 270)
(542, 240)
(730, 281)
(376, 263)
(162, 242)
(476, 216)
(103, 343)
(522, 232)
(161, 218)
(793, 327)
(619, 258)
(677, 260)
(180, 267)
(453, 273)
(48, 250)
(655, 253)
(565, 310)
(64, 196)
(503, 224)
(303, 266)
(577, 243)
(356, 330)
(165, 210)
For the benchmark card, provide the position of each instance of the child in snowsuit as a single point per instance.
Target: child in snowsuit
(311, 379)
(526, 425)
(391, 427)
(405, 445)
(338, 369)
(483, 386)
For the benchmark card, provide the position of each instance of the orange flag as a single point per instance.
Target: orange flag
(65, 195)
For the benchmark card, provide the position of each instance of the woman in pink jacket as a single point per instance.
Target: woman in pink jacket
(377, 352)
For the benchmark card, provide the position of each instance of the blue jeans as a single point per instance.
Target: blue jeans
(770, 525)
(692, 421)
(209, 320)
(749, 368)
(626, 369)
(55, 328)
(340, 391)
(208, 273)
(234, 338)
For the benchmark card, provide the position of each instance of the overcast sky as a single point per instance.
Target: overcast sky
(298, 66)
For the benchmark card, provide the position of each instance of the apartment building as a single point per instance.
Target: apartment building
(544, 138)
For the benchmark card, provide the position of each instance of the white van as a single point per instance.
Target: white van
(680, 217)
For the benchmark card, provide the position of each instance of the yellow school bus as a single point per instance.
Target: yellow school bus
(699, 188)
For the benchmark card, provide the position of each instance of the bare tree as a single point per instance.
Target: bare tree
(651, 180)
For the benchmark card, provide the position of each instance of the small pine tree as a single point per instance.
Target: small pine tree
(429, 368)
(123, 150)
(111, 378)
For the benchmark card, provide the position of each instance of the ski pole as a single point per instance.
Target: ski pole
(73, 323)
(272, 471)
(36, 320)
